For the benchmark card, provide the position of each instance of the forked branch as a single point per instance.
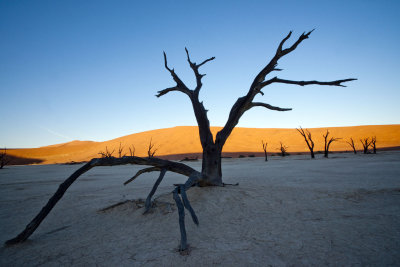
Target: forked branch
(246, 102)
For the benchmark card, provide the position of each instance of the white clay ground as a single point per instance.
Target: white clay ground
(341, 211)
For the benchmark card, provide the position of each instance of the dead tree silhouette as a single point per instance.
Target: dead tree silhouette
(120, 149)
(4, 159)
(365, 143)
(283, 150)
(151, 151)
(353, 146)
(264, 145)
(308, 138)
(373, 144)
(210, 174)
(132, 150)
(328, 143)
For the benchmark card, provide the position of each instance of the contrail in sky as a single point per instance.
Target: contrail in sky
(56, 134)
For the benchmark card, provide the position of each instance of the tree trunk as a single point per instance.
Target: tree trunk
(211, 168)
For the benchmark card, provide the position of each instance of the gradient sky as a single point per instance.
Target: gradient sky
(89, 70)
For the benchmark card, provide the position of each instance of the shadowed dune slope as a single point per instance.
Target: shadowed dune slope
(184, 140)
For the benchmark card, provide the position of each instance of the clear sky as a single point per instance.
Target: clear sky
(89, 70)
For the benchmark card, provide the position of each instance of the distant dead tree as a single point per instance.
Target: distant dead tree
(365, 143)
(264, 145)
(120, 149)
(107, 153)
(307, 137)
(211, 171)
(373, 144)
(151, 151)
(328, 142)
(283, 150)
(132, 150)
(4, 159)
(353, 146)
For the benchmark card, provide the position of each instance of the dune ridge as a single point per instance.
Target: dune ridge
(176, 142)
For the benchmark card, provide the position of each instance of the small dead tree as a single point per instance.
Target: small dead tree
(353, 146)
(107, 153)
(373, 144)
(151, 151)
(4, 159)
(211, 171)
(308, 138)
(283, 150)
(132, 150)
(120, 149)
(328, 142)
(264, 145)
(365, 143)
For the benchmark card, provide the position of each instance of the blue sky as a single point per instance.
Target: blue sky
(89, 70)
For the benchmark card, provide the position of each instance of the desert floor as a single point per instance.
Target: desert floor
(340, 211)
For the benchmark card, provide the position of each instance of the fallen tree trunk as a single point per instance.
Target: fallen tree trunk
(161, 164)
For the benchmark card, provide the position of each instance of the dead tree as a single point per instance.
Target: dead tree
(210, 174)
(132, 150)
(151, 151)
(365, 143)
(328, 142)
(283, 150)
(353, 146)
(264, 145)
(307, 137)
(373, 144)
(4, 159)
(107, 153)
(120, 149)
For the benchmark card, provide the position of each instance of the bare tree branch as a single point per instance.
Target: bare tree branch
(153, 190)
(180, 86)
(268, 106)
(140, 172)
(195, 69)
(302, 83)
(244, 103)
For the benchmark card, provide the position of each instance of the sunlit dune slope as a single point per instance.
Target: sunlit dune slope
(185, 140)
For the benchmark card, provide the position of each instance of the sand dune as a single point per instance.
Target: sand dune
(184, 140)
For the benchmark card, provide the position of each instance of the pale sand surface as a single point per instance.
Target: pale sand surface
(185, 140)
(341, 211)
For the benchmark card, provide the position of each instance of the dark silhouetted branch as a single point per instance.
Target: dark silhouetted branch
(181, 211)
(140, 172)
(302, 83)
(153, 190)
(187, 205)
(244, 103)
(258, 104)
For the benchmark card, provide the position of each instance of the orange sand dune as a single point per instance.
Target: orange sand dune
(184, 140)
